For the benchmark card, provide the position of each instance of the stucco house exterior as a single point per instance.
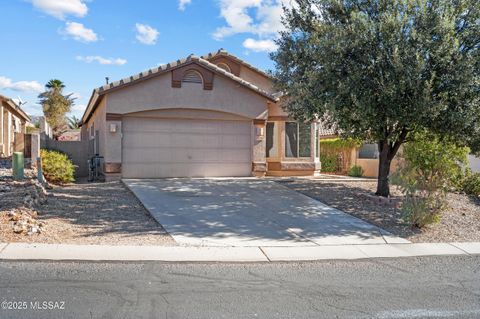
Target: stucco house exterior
(12, 120)
(202, 116)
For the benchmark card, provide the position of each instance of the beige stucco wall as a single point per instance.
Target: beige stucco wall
(9, 125)
(256, 78)
(370, 166)
(275, 109)
(157, 93)
(99, 123)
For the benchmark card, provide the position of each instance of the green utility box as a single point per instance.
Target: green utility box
(18, 165)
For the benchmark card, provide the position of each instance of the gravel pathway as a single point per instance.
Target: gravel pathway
(461, 222)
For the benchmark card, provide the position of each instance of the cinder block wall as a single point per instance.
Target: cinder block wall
(76, 150)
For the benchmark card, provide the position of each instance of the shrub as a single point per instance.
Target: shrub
(429, 170)
(329, 163)
(335, 154)
(57, 167)
(471, 184)
(355, 171)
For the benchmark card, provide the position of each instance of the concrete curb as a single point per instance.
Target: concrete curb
(20, 251)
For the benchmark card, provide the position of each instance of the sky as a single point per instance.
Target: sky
(81, 42)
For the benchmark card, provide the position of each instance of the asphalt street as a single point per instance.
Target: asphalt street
(426, 287)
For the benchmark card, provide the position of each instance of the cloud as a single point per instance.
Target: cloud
(78, 108)
(259, 17)
(61, 8)
(22, 86)
(260, 45)
(146, 34)
(79, 32)
(101, 60)
(182, 4)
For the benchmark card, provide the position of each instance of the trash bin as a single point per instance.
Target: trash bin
(18, 165)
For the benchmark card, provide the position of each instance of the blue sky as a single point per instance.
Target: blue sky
(82, 41)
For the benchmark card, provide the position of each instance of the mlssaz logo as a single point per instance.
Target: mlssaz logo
(47, 305)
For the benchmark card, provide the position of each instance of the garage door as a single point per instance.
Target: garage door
(185, 148)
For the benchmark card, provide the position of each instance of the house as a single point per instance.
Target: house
(213, 115)
(13, 120)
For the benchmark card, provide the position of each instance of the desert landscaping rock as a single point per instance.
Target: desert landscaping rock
(459, 223)
(83, 213)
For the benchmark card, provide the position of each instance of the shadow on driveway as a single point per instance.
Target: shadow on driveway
(247, 212)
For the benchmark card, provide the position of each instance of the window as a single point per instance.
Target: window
(192, 76)
(297, 139)
(271, 136)
(368, 151)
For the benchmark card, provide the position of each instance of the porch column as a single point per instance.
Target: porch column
(259, 160)
(315, 145)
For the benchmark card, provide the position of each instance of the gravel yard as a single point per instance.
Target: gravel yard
(461, 222)
(86, 213)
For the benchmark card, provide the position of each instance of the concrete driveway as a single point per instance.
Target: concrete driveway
(249, 212)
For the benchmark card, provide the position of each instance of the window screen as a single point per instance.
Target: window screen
(304, 140)
(291, 139)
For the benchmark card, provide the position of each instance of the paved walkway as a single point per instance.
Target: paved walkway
(249, 213)
(18, 251)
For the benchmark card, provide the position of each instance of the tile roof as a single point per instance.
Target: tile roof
(325, 131)
(235, 58)
(175, 64)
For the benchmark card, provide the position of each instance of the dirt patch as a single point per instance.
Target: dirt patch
(461, 222)
(89, 213)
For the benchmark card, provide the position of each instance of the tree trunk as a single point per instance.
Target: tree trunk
(383, 185)
(384, 162)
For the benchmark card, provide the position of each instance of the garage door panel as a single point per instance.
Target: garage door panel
(185, 148)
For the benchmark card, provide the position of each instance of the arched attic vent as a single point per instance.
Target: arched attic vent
(192, 76)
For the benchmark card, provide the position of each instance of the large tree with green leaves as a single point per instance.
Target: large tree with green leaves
(55, 106)
(380, 70)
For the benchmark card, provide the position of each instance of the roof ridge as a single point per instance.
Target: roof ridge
(170, 65)
(222, 51)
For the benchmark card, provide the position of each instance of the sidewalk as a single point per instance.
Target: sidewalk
(19, 251)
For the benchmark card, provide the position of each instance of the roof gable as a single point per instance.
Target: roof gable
(170, 67)
(214, 56)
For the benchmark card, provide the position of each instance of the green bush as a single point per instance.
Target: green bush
(57, 167)
(333, 150)
(329, 163)
(355, 171)
(430, 168)
(471, 184)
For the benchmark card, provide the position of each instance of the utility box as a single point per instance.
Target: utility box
(18, 165)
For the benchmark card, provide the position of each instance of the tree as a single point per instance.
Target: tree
(381, 70)
(74, 122)
(55, 106)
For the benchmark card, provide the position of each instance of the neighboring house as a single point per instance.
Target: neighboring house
(70, 135)
(365, 156)
(12, 120)
(214, 115)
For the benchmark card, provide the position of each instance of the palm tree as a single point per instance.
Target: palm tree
(55, 85)
(73, 122)
(55, 106)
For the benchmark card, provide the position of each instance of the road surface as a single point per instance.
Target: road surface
(427, 287)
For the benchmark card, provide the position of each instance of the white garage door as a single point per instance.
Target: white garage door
(185, 148)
